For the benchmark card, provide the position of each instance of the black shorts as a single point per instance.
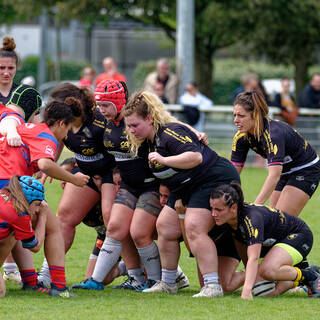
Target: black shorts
(223, 240)
(306, 179)
(302, 241)
(94, 217)
(106, 177)
(222, 172)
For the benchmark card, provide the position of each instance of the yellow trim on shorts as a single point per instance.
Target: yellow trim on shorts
(294, 253)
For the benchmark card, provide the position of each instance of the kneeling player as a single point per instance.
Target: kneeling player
(251, 225)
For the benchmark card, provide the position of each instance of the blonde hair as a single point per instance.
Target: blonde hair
(145, 103)
(16, 195)
(255, 103)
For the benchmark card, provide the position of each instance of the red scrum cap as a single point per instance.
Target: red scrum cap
(113, 91)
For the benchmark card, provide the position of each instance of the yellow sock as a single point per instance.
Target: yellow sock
(298, 278)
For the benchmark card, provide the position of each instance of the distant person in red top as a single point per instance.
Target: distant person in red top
(110, 71)
(87, 78)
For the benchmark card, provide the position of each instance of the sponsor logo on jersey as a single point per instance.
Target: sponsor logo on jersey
(87, 151)
(50, 151)
(108, 144)
(299, 178)
(29, 125)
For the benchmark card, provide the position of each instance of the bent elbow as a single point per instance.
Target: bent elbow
(44, 164)
(198, 159)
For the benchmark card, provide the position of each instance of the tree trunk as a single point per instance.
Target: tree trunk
(204, 69)
(301, 64)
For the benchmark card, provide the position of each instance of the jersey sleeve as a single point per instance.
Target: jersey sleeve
(23, 231)
(180, 139)
(274, 140)
(240, 148)
(40, 143)
(10, 114)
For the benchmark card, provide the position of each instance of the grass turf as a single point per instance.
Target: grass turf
(119, 304)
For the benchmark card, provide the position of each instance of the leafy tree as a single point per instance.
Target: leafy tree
(286, 32)
(7, 12)
(218, 24)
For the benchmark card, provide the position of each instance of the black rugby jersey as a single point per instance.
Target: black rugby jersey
(256, 224)
(87, 145)
(4, 100)
(134, 171)
(174, 139)
(279, 144)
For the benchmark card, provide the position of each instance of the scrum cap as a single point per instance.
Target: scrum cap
(111, 91)
(32, 188)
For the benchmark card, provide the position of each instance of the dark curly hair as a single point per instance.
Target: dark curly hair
(84, 95)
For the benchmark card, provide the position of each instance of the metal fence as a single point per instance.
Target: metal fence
(220, 128)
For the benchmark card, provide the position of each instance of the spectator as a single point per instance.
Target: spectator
(168, 79)
(193, 100)
(87, 77)
(250, 82)
(110, 71)
(285, 101)
(158, 89)
(310, 95)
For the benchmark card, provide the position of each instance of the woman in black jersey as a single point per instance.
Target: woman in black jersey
(293, 165)
(136, 206)
(189, 169)
(26, 98)
(85, 139)
(252, 225)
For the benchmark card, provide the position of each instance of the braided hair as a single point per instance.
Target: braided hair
(230, 193)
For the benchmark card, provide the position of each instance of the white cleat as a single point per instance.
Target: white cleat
(44, 280)
(211, 290)
(182, 281)
(12, 276)
(161, 286)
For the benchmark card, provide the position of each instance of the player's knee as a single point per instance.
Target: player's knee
(267, 272)
(115, 231)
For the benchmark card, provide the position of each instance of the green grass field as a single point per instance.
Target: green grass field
(115, 304)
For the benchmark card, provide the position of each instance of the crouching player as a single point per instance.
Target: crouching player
(251, 225)
(23, 216)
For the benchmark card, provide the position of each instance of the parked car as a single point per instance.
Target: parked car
(46, 88)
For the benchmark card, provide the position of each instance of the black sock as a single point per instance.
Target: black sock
(308, 275)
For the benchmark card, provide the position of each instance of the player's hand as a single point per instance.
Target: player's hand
(80, 179)
(202, 136)
(14, 139)
(246, 295)
(43, 177)
(179, 207)
(155, 157)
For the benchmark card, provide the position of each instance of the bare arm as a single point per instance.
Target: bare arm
(8, 127)
(40, 228)
(185, 160)
(253, 253)
(239, 169)
(51, 169)
(274, 173)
